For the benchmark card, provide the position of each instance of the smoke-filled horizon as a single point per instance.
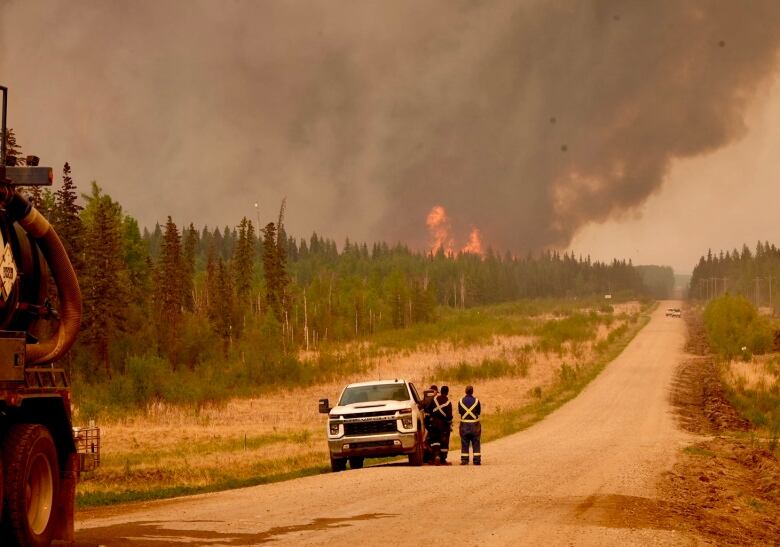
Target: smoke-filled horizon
(525, 120)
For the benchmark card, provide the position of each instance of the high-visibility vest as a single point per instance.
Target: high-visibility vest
(440, 408)
(468, 415)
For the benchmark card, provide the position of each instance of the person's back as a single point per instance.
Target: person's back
(470, 410)
(440, 412)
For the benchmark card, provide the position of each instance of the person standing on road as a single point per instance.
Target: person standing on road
(428, 396)
(469, 409)
(440, 411)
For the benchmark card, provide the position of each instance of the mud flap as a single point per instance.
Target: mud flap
(65, 534)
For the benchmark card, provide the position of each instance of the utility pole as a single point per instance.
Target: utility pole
(305, 319)
(257, 214)
(770, 292)
(757, 293)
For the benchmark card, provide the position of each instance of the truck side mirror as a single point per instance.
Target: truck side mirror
(324, 406)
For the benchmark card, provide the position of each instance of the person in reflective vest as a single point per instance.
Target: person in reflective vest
(429, 395)
(469, 409)
(440, 412)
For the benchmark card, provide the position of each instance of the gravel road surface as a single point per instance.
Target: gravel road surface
(552, 484)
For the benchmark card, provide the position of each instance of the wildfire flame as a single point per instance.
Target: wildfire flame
(474, 244)
(439, 226)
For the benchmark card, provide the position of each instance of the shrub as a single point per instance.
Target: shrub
(488, 368)
(575, 328)
(732, 323)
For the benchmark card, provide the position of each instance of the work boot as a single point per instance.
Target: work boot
(464, 462)
(477, 462)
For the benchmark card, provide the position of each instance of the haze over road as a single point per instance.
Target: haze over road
(550, 484)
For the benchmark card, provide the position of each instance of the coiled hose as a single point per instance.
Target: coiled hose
(36, 225)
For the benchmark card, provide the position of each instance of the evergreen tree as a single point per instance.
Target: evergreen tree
(104, 280)
(136, 260)
(243, 262)
(212, 289)
(224, 306)
(35, 196)
(12, 148)
(276, 279)
(169, 293)
(188, 267)
(155, 241)
(66, 218)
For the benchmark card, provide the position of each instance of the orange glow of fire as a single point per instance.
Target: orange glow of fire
(474, 244)
(439, 227)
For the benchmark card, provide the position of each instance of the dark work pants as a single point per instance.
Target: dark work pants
(445, 444)
(440, 439)
(470, 433)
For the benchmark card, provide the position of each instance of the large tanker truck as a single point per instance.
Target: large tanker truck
(40, 312)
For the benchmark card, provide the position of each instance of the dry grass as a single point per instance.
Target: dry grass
(171, 450)
(760, 373)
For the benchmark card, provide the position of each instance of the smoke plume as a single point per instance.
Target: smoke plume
(526, 119)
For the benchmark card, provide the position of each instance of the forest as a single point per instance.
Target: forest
(230, 309)
(751, 274)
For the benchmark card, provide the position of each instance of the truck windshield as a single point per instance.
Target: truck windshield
(379, 392)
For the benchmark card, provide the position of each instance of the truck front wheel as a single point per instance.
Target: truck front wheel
(416, 457)
(32, 482)
(338, 464)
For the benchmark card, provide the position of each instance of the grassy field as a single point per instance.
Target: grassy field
(526, 359)
(742, 341)
(753, 387)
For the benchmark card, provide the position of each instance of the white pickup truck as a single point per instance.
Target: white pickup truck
(374, 419)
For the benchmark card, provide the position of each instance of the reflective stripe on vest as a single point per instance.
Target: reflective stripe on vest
(468, 413)
(440, 408)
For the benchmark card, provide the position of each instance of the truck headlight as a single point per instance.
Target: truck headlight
(407, 422)
(334, 428)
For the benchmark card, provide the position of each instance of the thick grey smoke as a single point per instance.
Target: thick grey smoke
(527, 119)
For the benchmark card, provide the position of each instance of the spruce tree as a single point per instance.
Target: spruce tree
(66, 218)
(270, 267)
(169, 294)
(104, 279)
(136, 259)
(274, 268)
(223, 309)
(211, 283)
(12, 148)
(188, 267)
(243, 262)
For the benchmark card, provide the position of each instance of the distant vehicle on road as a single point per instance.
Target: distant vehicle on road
(673, 312)
(374, 419)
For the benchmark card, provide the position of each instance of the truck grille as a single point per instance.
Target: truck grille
(370, 414)
(370, 428)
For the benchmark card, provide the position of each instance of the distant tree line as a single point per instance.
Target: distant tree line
(753, 274)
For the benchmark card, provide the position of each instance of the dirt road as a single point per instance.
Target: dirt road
(560, 482)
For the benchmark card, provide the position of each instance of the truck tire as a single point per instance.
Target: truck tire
(416, 457)
(32, 482)
(356, 462)
(338, 464)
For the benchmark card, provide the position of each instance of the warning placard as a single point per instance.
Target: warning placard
(8, 271)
